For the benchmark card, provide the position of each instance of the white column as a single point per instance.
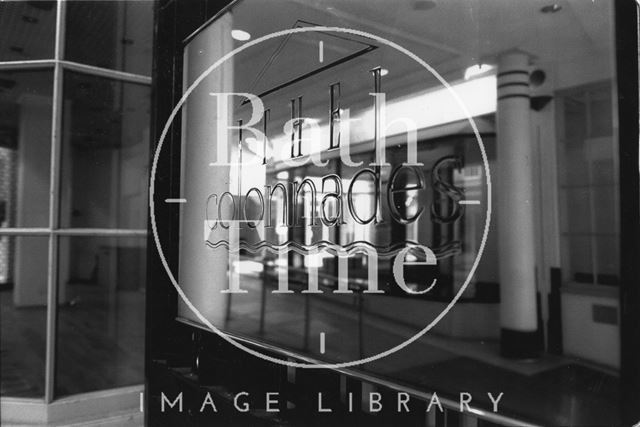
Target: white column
(205, 272)
(518, 315)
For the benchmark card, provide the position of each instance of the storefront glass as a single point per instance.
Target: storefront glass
(23, 315)
(26, 154)
(105, 152)
(101, 282)
(110, 34)
(542, 97)
(74, 148)
(28, 30)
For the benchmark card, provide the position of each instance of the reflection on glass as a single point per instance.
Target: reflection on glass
(27, 30)
(296, 198)
(571, 146)
(363, 324)
(25, 147)
(101, 313)
(23, 299)
(111, 34)
(105, 153)
(589, 185)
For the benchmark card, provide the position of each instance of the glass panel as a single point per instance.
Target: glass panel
(544, 105)
(575, 118)
(23, 315)
(25, 147)
(608, 259)
(27, 30)
(605, 207)
(101, 313)
(578, 200)
(105, 153)
(111, 34)
(589, 185)
(600, 112)
(578, 259)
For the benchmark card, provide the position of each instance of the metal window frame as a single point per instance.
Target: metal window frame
(53, 231)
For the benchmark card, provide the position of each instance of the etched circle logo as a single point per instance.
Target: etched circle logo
(326, 207)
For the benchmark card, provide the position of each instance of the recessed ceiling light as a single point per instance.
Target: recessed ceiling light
(384, 72)
(240, 35)
(476, 70)
(551, 8)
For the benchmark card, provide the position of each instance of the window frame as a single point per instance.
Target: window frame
(58, 65)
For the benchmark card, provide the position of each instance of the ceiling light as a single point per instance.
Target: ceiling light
(384, 72)
(476, 70)
(551, 8)
(240, 35)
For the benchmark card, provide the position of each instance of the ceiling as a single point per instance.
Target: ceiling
(450, 35)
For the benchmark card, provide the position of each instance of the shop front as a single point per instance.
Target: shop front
(432, 206)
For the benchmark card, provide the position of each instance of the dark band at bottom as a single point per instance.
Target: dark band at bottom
(519, 344)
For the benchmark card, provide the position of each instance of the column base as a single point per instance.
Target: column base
(519, 344)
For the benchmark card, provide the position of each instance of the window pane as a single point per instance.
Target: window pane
(589, 185)
(23, 310)
(577, 200)
(111, 34)
(25, 147)
(605, 218)
(542, 220)
(27, 30)
(101, 313)
(578, 259)
(105, 153)
(608, 260)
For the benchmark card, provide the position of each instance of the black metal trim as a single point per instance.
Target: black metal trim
(554, 324)
(514, 95)
(500, 86)
(506, 73)
(223, 10)
(166, 339)
(519, 344)
(626, 39)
